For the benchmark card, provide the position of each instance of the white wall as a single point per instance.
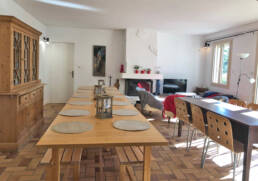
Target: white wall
(11, 8)
(179, 57)
(84, 39)
(241, 44)
(140, 45)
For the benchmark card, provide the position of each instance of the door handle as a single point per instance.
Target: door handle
(72, 74)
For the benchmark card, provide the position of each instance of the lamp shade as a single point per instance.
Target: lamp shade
(244, 55)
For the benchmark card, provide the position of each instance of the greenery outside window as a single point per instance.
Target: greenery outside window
(221, 63)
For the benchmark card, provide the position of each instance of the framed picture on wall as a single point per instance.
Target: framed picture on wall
(99, 60)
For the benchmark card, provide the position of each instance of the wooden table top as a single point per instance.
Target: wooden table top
(220, 108)
(103, 132)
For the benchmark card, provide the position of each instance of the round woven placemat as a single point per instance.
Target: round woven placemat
(131, 125)
(74, 112)
(120, 103)
(125, 112)
(81, 96)
(80, 103)
(72, 127)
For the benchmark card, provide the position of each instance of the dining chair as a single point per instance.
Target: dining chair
(170, 110)
(237, 102)
(253, 106)
(182, 115)
(197, 122)
(170, 115)
(220, 131)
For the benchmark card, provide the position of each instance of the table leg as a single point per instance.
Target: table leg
(247, 157)
(54, 168)
(147, 162)
(180, 125)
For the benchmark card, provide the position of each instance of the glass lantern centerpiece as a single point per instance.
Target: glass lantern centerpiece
(101, 82)
(104, 104)
(98, 90)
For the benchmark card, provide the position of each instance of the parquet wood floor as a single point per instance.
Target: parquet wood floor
(171, 163)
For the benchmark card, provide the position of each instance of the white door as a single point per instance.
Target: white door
(60, 64)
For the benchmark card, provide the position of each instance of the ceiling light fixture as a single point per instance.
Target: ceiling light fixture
(68, 5)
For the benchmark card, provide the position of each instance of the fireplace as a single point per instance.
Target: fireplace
(131, 84)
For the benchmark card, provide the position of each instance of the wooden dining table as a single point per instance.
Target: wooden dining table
(244, 124)
(103, 133)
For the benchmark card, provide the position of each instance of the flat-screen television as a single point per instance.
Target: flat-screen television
(171, 86)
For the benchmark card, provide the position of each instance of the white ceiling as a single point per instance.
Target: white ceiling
(181, 16)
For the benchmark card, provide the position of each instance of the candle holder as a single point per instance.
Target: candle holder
(104, 104)
(97, 90)
(101, 82)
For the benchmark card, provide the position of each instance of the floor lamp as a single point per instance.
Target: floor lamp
(243, 56)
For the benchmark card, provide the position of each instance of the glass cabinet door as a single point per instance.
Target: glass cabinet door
(35, 60)
(17, 42)
(26, 68)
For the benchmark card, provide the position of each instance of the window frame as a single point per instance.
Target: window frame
(220, 69)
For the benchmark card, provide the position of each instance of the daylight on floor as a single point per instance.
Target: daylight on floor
(128, 90)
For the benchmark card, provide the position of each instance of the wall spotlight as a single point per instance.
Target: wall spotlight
(46, 39)
(206, 45)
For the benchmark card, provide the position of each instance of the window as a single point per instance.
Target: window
(221, 63)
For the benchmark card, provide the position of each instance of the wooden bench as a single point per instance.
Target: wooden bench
(67, 156)
(129, 155)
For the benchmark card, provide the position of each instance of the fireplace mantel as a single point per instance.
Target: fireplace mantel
(141, 76)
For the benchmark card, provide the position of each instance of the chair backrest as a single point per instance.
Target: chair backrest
(253, 106)
(237, 102)
(197, 118)
(181, 110)
(220, 130)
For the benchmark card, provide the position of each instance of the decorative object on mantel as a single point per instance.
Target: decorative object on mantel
(157, 70)
(104, 105)
(136, 69)
(122, 69)
(142, 71)
(99, 61)
(148, 71)
(101, 82)
(72, 127)
(243, 56)
(74, 112)
(131, 125)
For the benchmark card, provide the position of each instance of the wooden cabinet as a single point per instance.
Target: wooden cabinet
(21, 92)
